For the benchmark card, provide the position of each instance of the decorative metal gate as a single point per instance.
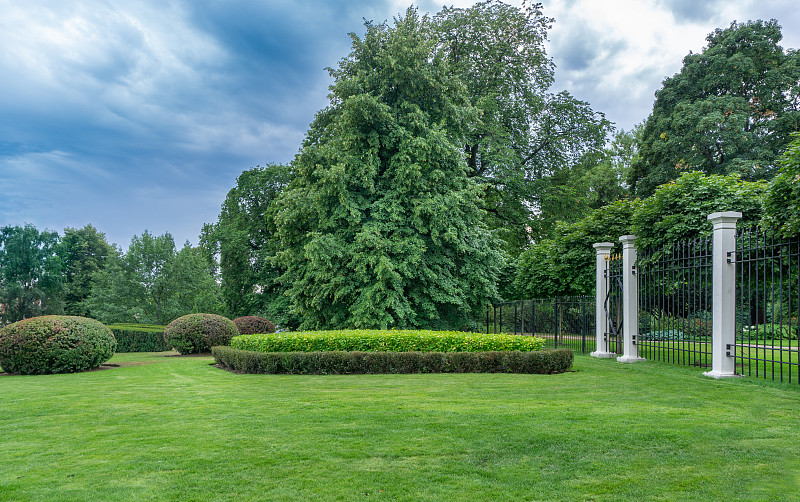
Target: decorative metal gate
(613, 304)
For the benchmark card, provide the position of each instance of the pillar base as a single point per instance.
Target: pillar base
(603, 355)
(631, 359)
(720, 374)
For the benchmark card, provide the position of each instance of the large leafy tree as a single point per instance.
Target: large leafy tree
(30, 273)
(83, 252)
(527, 142)
(243, 240)
(153, 283)
(381, 227)
(731, 109)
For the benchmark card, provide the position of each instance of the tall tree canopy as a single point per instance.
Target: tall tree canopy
(526, 144)
(83, 252)
(30, 273)
(244, 241)
(381, 226)
(731, 109)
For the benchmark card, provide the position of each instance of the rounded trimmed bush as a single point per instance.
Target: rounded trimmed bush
(55, 344)
(197, 333)
(253, 324)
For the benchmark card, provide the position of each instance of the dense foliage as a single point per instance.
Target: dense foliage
(30, 273)
(679, 210)
(54, 344)
(197, 333)
(782, 200)
(153, 283)
(380, 226)
(139, 337)
(83, 253)
(243, 239)
(344, 363)
(251, 324)
(385, 340)
(731, 109)
(565, 264)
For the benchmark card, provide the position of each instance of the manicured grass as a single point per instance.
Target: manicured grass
(176, 428)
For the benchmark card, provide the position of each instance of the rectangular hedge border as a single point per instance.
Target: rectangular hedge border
(139, 339)
(343, 363)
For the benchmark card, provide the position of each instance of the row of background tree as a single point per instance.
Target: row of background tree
(445, 171)
(81, 274)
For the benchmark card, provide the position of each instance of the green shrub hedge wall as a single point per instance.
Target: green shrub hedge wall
(197, 333)
(358, 362)
(385, 341)
(139, 338)
(55, 344)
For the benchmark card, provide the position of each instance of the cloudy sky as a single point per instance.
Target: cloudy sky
(140, 114)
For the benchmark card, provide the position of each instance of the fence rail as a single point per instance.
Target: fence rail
(729, 302)
(767, 301)
(567, 322)
(675, 290)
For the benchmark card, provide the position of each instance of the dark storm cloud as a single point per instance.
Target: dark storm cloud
(693, 10)
(583, 47)
(141, 115)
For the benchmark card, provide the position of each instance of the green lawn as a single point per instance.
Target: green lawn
(176, 428)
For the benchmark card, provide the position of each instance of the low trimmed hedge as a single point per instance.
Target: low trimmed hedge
(358, 362)
(385, 341)
(139, 338)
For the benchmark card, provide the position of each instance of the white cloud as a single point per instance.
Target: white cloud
(616, 53)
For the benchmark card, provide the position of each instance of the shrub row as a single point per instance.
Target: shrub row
(341, 363)
(139, 338)
(385, 341)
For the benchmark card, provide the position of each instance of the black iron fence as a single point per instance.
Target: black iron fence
(675, 293)
(567, 322)
(612, 304)
(675, 288)
(767, 302)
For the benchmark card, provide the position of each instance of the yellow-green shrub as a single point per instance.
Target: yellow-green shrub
(385, 341)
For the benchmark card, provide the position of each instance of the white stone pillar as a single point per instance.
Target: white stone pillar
(723, 323)
(601, 289)
(630, 302)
